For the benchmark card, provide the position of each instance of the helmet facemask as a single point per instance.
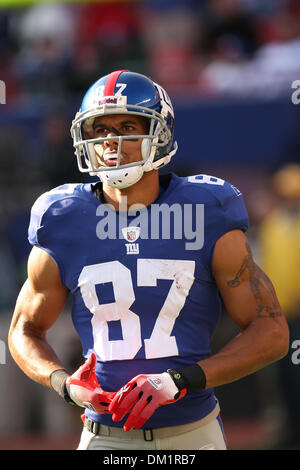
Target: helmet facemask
(155, 146)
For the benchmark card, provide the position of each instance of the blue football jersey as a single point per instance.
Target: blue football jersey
(144, 298)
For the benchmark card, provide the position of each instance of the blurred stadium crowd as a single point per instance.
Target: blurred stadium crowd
(234, 50)
(210, 45)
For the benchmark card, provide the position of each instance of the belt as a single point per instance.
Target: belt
(100, 429)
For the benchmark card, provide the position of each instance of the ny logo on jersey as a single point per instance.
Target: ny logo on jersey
(132, 248)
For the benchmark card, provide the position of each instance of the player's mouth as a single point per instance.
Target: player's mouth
(111, 159)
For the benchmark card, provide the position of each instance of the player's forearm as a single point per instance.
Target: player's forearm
(254, 348)
(33, 353)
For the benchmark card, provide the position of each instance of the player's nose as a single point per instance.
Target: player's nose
(112, 133)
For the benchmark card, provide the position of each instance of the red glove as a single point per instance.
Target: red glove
(141, 396)
(84, 389)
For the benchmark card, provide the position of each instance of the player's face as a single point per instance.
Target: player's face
(119, 124)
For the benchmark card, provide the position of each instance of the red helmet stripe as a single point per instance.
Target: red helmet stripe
(111, 81)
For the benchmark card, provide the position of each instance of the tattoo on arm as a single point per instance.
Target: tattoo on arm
(259, 282)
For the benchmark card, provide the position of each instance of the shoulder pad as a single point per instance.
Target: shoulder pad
(59, 198)
(56, 194)
(218, 188)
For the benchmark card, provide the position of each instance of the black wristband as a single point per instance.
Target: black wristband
(58, 383)
(177, 378)
(191, 377)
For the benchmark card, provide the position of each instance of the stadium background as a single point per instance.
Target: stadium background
(229, 66)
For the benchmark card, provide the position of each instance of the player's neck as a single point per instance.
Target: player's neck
(144, 192)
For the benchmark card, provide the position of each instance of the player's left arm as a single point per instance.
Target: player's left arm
(251, 302)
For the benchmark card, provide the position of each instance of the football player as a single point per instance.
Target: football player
(147, 259)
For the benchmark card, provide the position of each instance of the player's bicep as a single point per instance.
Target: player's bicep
(43, 296)
(246, 290)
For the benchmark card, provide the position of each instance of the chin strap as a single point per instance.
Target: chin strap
(122, 178)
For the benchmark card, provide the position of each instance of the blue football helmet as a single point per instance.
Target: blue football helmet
(125, 92)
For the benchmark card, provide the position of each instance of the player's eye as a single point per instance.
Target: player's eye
(127, 129)
(100, 131)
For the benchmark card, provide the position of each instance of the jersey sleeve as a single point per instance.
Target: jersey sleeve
(224, 210)
(48, 225)
(36, 216)
(227, 213)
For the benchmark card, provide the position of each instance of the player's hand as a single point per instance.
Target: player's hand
(141, 396)
(84, 389)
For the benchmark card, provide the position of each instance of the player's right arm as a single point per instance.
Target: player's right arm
(39, 304)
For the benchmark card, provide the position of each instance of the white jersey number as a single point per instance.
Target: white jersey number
(160, 343)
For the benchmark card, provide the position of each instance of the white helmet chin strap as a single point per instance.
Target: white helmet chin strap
(122, 178)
